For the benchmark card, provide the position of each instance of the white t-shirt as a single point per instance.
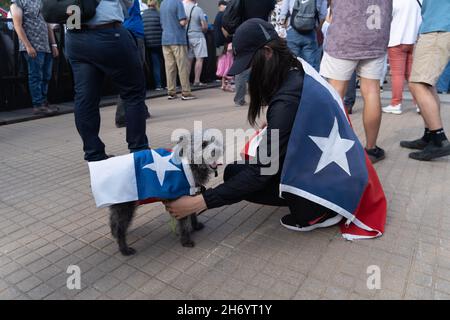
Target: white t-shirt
(406, 20)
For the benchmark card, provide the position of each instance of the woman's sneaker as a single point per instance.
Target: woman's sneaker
(376, 154)
(397, 109)
(327, 220)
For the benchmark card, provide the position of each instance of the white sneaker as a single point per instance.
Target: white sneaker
(393, 109)
(417, 109)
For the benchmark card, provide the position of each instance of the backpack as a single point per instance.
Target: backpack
(304, 16)
(233, 16)
(54, 11)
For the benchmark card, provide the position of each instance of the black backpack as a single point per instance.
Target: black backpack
(304, 16)
(233, 16)
(55, 11)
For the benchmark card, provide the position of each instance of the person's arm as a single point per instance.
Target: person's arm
(322, 9)
(203, 21)
(181, 14)
(285, 11)
(17, 15)
(51, 38)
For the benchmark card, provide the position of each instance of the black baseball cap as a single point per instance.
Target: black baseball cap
(251, 36)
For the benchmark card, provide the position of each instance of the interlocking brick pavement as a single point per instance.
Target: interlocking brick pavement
(48, 221)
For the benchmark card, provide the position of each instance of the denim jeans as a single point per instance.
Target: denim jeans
(304, 46)
(350, 95)
(93, 54)
(240, 81)
(155, 54)
(39, 74)
(443, 84)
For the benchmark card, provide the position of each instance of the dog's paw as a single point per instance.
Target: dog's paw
(188, 244)
(128, 251)
(199, 226)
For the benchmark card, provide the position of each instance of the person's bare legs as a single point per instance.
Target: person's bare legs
(429, 104)
(370, 91)
(198, 69)
(340, 86)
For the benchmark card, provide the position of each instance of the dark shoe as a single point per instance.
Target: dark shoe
(432, 151)
(172, 97)
(418, 144)
(327, 220)
(376, 154)
(240, 104)
(107, 156)
(44, 111)
(148, 115)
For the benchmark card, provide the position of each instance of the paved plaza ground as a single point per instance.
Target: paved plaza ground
(48, 221)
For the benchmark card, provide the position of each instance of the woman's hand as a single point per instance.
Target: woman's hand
(185, 206)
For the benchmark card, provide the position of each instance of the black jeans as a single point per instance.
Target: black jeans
(302, 209)
(92, 55)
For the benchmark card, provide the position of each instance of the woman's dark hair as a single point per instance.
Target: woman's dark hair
(267, 75)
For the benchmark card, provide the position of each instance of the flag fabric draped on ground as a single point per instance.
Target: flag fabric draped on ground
(326, 163)
(140, 176)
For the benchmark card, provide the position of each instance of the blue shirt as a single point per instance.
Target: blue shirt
(435, 16)
(109, 11)
(172, 12)
(134, 21)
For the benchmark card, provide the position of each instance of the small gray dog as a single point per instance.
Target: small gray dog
(202, 163)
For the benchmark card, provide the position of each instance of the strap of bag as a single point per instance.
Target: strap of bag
(418, 1)
(188, 25)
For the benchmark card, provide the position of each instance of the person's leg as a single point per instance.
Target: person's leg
(240, 82)
(156, 66)
(397, 61)
(46, 75)
(198, 69)
(409, 48)
(443, 84)
(181, 59)
(350, 94)
(370, 91)
(293, 42)
(35, 78)
(428, 103)
(310, 49)
(171, 70)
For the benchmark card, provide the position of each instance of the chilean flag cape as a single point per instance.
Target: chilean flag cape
(325, 162)
(145, 176)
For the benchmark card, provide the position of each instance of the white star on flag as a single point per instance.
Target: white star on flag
(160, 165)
(334, 149)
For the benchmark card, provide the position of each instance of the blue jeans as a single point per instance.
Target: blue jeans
(240, 82)
(443, 84)
(39, 74)
(156, 56)
(304, 46)
(350, 95)
(93, 54)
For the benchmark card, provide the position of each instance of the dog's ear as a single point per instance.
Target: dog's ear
(179, 150)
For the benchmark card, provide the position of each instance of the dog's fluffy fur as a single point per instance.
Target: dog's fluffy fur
(122, 214)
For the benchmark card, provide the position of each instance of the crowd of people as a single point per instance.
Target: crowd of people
(344, 40)
(348, 42)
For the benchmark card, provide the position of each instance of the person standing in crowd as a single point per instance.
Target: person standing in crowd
(174, 43)
(406, 20)
(153, 35)
(357, 39)
(443, 84)
(219, 38)
(261, 9)
(37, 44)
(132, 23)
(104, 47)
(431, 56)
(304, 43)
(195, 29)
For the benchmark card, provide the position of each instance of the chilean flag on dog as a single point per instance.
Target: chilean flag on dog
(325, 162)
(141, 176)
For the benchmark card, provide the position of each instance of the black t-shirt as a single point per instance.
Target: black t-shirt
(258, 9)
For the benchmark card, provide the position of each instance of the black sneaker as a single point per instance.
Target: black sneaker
(431, 152)
(188, 96)
(376, 154)
(418, 144)
(327, 220)
(120, 124)
(172, 96)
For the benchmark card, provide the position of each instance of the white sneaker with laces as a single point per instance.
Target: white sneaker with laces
(397, 109)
